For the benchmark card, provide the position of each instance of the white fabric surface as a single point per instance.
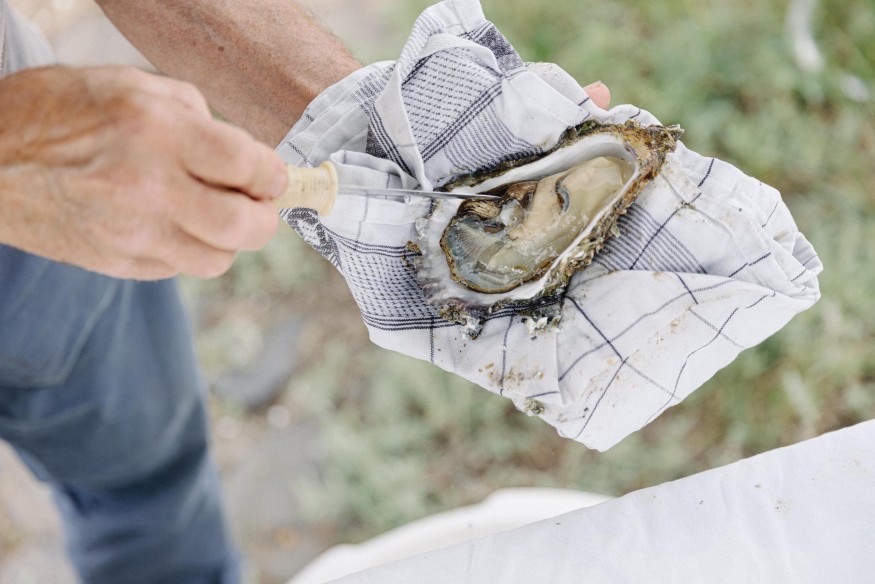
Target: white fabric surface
(804, 514)
(23, 45)
(709, 262)
(503, 510)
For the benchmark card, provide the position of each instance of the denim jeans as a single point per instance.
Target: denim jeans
(100, 396)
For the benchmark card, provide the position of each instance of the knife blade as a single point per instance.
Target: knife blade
(345, 189)
(317, 188)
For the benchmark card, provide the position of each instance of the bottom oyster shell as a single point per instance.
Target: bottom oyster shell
(555, 212)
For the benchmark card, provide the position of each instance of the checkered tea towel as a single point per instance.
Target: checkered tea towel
(709, 261)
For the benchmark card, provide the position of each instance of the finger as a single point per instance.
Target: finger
(228, 157)
(599, 93)
(132, 268)
(185, 254)
(225, 220)
(135, 80)
(181, 92)
(171, 251)
(144, 269)
(203, 261)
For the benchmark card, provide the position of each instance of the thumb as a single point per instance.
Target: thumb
(599, 93)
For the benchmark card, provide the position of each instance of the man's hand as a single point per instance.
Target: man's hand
(127, 174)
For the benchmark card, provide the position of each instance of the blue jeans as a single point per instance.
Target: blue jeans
(100, 396)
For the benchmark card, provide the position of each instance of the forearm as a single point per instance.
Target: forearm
(259, 62)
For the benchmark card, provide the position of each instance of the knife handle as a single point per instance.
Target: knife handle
(313, 188)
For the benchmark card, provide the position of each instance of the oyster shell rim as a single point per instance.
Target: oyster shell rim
(540, 271)
(646, 147)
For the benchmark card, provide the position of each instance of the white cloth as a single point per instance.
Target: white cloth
(21, 44)
(503, 510)
(803, 514)
(709, 262)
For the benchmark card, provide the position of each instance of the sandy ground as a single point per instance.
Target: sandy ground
(261, 456)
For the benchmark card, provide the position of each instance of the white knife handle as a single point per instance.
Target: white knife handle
(313, 188)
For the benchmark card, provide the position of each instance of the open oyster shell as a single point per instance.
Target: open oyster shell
(555, 213)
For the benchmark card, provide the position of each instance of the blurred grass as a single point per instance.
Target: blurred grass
(406, 439)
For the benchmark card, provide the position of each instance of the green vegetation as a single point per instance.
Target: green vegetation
(406, 439)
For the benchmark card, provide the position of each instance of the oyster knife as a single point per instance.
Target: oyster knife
(318, 188)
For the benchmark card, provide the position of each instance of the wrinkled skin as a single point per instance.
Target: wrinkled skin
(127, 174)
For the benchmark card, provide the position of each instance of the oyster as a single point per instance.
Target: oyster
(555, 212)
(495, 246)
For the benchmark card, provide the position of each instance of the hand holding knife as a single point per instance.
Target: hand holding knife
(318, 188)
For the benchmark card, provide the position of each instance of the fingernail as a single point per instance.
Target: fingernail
(594, 85)
(278, 187)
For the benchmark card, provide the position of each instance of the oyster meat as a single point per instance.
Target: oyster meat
(495, 246)
(555, 212)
